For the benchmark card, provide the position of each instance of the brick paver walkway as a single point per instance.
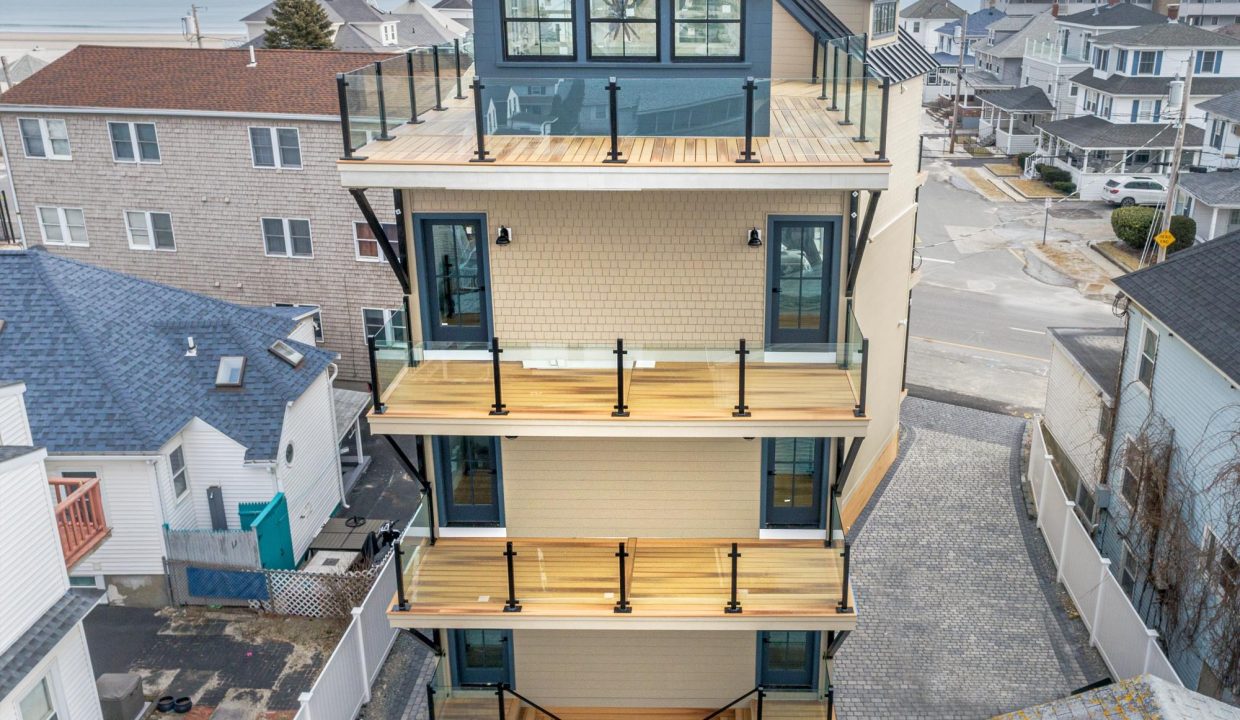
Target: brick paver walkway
(960, 617)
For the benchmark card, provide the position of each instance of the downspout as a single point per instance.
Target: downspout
(17, 214)
(331, 404)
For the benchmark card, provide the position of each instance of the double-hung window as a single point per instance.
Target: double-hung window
(180, 476)
(1149, 357)
(386, 326)
(149, 230)
(884, 20)
(45, 138)
(622, 29)
(1216, 133)
(1128, 570)
(1146, 62)
(273, 147)
(1220, 564)
(287, 237)
(1209, 61)
(63, 226)
(365, 242)
(1130, 490)
(539, 29)
(1100, 58)
(1121, 60)
(134, 142)
(38, 704)
(707, 30)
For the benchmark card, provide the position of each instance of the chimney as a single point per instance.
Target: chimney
(1173, 12)
(1054, 9)
(253, 58)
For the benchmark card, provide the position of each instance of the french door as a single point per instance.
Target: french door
(467, 473)
(452, 257)
(481, 657)
(801, 274)
(788, 660)
(793, 493)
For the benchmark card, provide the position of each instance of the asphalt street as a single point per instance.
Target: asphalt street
(978, 329)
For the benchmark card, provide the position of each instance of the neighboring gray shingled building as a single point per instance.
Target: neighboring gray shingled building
(359, 26)
(1141, 698)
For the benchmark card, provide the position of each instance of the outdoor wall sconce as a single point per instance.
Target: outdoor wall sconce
(755, 238)
(504, 237)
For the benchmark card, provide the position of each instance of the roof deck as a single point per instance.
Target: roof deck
(804, 391)
(669, 583)
(670, 132)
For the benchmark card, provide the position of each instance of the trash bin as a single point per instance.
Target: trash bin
(120, 695)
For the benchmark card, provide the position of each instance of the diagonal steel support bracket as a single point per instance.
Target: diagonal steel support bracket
(414, 470)
(864, 239)
(428, 642)
(841, 478)
(394, 261)
(834, 646)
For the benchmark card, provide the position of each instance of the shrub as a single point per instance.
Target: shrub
(1052, 174)
(1020, 159)
(1132, 226)
(1067, 187)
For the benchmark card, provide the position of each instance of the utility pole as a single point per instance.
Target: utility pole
(193, 11)
(1174, 180)
(959, 79)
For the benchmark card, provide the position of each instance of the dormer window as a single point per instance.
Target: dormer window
(1147, 62)
(884, 22)
(387, 32)
(231, 371)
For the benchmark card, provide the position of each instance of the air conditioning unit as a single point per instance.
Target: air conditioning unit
(1102, 497)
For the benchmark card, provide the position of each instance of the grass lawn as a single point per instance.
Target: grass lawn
(1033, 189)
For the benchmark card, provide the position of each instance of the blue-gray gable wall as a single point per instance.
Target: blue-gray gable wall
(1202, 407)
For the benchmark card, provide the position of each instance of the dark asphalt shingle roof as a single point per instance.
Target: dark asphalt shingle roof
(953, 60)
(903, 59)
(1143, 696)
(1217, 189)
(1028, 99)
(9, 452)
(1116, 84)
(338, 11)
(1166, 35)
(1090, 131)
(933, 10)
(1121, 15)
(977, 24)
(1194, 294)
(1098, 351)
(1227, 106)
(29, 650)
(121, 382)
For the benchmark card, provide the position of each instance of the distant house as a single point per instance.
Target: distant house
(1010, 118)
(923, 18)
(1001, 57)
(1212, 200)
(359, 26)
(45, 668)
(182, 408)
(948, 49)
(14, 71)
(461, 11)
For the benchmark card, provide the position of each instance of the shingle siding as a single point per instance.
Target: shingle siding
(207, 181)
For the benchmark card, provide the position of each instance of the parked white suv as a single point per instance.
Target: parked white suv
(1135, 190)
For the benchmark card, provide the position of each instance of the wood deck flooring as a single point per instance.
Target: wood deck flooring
(467, 707)
(803, 133)
(669, 391)
(668, 578)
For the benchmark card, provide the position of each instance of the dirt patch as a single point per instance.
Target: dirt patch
(1070, 262)
(1004, 170)
(1033, 189)
(1120, 254)
(983, 185)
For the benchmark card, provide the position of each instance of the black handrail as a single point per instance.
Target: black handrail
(761, 691)
(501, 688)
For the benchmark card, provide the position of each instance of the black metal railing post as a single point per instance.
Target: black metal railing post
(881, 154)
(613, 116)
(375, 393)
(747, 155)
(813, 65)
(512, 605)
(499, 693)
(865, 85)
(843, 606)
(835, 76)
(342, 97)
(622, 605)
(761, 696)
(402, 603)
(430, 700)
(456, 52)
(859, 411)
(734, 605)
(830, 701)
(408, 340)
(413, 92)
(741, 409)
(383, 128)
(482, 156)
(620, 408)
(497, 407)
(825, 55)
(847, 81)
(438, 91)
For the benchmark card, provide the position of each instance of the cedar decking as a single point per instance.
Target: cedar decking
(574, 583)
(803, 133)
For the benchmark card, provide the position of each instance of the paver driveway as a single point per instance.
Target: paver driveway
(960, 616)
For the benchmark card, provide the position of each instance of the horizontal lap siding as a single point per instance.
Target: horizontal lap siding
(32, 575)
(312, 482)
(14, 429)
(577, 487)
(563, 668)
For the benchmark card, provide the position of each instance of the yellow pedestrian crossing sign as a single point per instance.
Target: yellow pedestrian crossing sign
(1164, 239)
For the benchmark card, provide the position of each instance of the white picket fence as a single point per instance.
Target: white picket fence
(1127, 646)
(343, 686)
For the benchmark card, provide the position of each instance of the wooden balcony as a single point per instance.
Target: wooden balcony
(79, 517)
(474, 705)
(681, 584)
(786, 395)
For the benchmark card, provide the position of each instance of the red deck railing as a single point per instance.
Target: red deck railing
(79, 516)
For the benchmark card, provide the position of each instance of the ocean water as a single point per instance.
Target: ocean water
(221, 17)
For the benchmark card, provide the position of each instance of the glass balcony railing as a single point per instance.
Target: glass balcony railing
(649, 381)
(814, 118)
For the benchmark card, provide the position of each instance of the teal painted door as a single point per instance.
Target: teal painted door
(275, 537)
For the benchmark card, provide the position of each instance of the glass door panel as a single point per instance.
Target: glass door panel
(454, 273)
(467, 470)
(481, 657)
(789, 660)
(801, 279)
(794, 476)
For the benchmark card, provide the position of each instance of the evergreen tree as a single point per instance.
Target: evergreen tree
(298, 25)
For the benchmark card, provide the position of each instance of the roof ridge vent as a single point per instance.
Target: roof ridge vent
(191, 347)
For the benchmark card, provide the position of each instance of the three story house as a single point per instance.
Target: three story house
(658, 264)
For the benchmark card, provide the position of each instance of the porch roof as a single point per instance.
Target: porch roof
(1115, 84)
(1025, 100)
(1090, 132)
(1216, 189)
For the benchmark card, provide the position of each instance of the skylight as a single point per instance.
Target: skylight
(231, 371)
(287, 353)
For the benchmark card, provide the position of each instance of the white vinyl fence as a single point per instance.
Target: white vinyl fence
(343, 686)
(1127, 646)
